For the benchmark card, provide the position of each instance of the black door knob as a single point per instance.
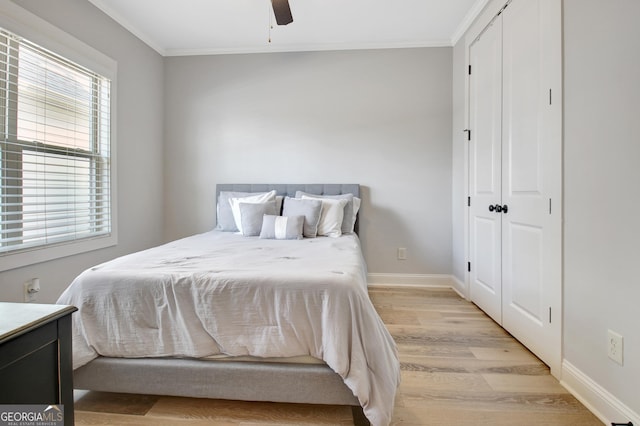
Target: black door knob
(498, 208)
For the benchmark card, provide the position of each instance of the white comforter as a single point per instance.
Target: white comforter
(220, 292)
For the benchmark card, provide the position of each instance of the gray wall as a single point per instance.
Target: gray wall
(139, 150)
(379, 118)
(601, 177)
(601, 203)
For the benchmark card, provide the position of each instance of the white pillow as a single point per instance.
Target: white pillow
(330, 224)
(350, 209)
(356, 208)
(253, 199)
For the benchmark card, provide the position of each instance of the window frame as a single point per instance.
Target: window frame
(33, 28)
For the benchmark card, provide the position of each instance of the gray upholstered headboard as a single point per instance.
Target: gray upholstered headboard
(289, 189)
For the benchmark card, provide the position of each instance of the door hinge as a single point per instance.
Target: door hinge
(468, 266)
(549, 205)
(469, 69)
(550, 103)
(468, 201)
(549, 314)
(468, 132)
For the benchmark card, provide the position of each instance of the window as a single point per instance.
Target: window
(55, 149)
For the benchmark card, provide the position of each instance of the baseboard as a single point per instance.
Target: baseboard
(410, 280)
(460, 287)
(598, 400)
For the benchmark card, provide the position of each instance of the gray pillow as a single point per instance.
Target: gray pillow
(251, 216)
(224, 213)
(310, 209)
(282, 227)
(223, 209)
(347, 221)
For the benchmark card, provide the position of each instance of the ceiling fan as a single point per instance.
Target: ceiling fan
(282, 11)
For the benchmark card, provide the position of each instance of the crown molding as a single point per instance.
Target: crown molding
(471, 16)
(274, 48)
(123, 22)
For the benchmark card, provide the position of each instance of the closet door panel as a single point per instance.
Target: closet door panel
(523, 100)
(487, 280)
(525, 243)
(528, 283)
(485, 170)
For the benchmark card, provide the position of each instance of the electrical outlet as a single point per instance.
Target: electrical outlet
(402, 253)
(31, 289)
(615, 346)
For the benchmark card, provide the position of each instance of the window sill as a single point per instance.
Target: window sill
(44, 254)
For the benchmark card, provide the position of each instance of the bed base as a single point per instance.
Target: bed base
(234, 380)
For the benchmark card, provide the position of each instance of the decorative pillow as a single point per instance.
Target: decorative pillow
(282, 227)
(350, 212)
(251, 216)
(331, 217)
(253, 199)
(310, 209)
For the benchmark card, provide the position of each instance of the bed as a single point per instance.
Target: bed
(228, 316)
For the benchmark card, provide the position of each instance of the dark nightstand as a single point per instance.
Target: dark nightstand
(35, 355)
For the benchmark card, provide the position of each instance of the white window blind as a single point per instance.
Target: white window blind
(54, 149)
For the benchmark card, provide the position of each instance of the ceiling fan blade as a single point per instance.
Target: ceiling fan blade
(282, 11)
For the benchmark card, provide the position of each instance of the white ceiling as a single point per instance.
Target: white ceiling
(195, 27)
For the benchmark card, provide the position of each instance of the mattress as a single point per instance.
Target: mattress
(219, 293)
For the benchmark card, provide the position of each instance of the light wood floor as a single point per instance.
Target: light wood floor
(458, 369)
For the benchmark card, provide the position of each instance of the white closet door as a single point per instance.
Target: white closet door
(531, 182)
(485, 96)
